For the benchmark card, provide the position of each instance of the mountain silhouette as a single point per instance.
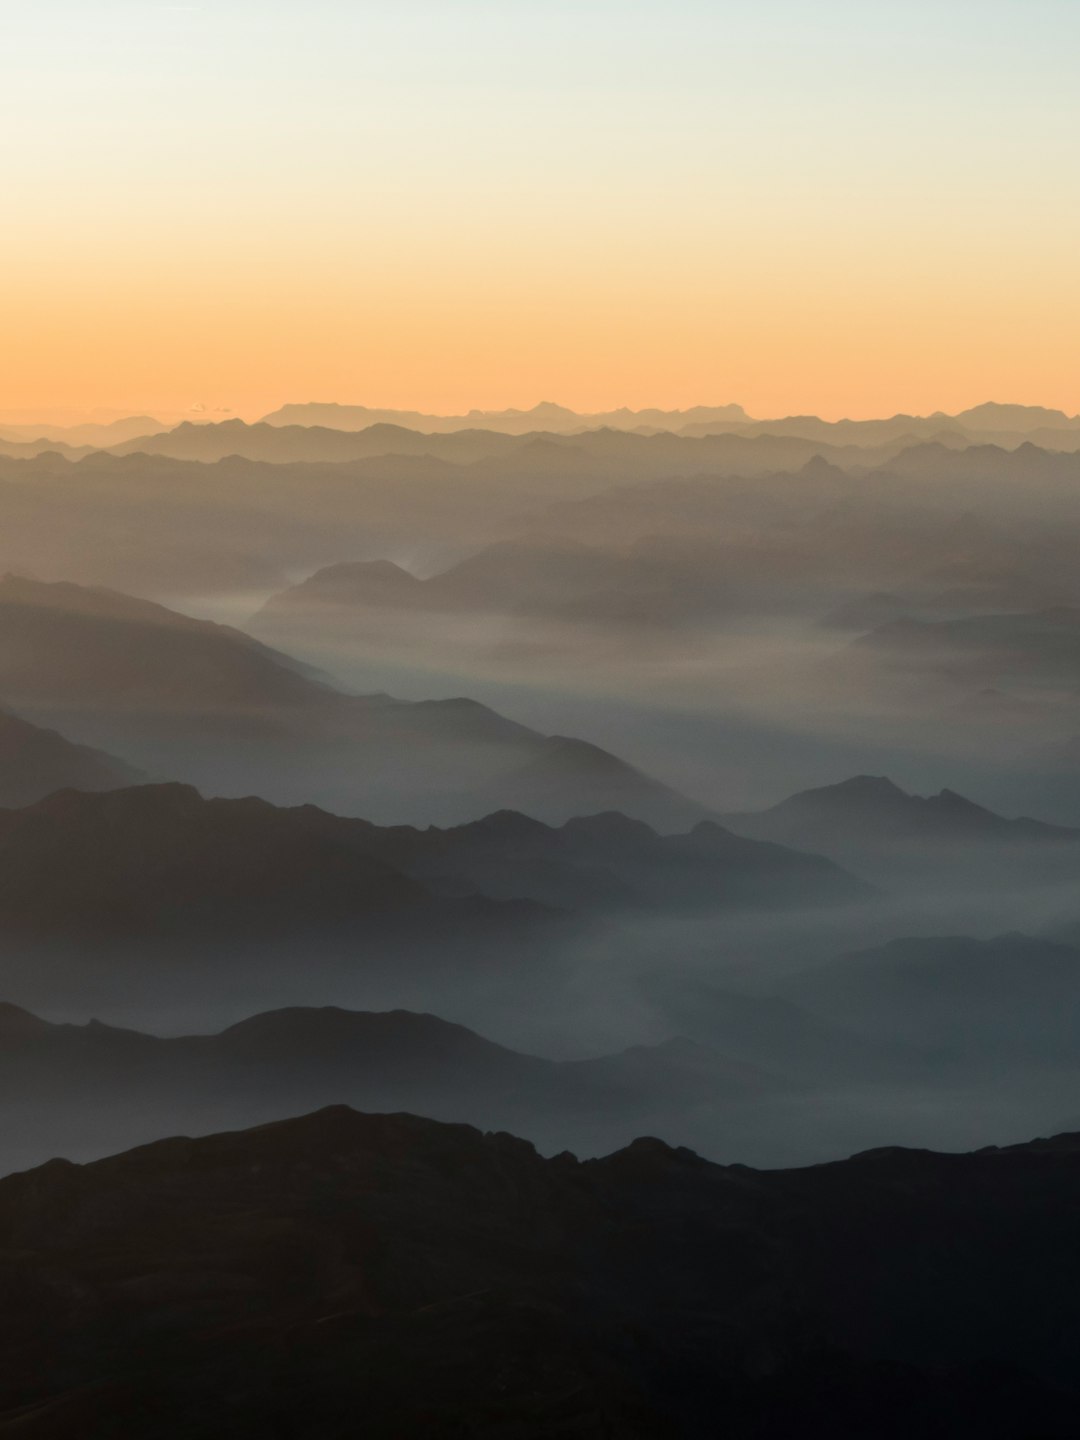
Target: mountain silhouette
(545, 416)
(609, 862)
(309, 496)
(871, 823)
(85, 1090)
(90, 433)
(439, 1280)
(609, 452)
(1007, 421)
(283, 444)
(871, 808)
(159, 862)
(992, 416)
(130, 896)
(35, 762)
(557, 579)
(206, 703)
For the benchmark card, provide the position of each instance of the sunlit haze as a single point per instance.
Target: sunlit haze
(839, 207)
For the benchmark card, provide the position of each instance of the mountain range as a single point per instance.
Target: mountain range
(872, 824)
(35, 762)
(610, 862)
(85, 1090)
(120, 894)
(545, 416)
(979, 420)
(645, 586)
(1010, 422)
(780, 522)
(592, 455)
(202, 702)
(439, 1281)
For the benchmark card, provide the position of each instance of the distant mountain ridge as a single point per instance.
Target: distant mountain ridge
(151, 897)
(94, 1088)
(608, 861)
(545, 416)
(317, 432)
(873, 826)
(695, 419)
(89, 433)
(110, 901)
(198, 701)
(736, 448)
(561, 581)
(161, 861)
(872, 807)
(35, 762)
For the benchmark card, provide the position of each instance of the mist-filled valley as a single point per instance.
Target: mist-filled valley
(583, 777)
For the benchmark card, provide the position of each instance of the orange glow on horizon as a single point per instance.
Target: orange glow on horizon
(460, 205)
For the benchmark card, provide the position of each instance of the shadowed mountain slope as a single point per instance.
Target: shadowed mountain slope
(870, 823)
(160, 861)
(35, 762)
(439, 1281)
(872, 809)
(124, 897)
(557, 580)
(85, 1090)
(155, 896)
(205, 703)
(610, 862)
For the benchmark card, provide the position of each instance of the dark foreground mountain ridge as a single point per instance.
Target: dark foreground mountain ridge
(417, 1279)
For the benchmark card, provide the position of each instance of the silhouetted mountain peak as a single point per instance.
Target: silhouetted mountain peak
(860, 793)
(291, 1032)
(506, 825)
(870, 818)
(649, 1160)
(817, 467)
(35, 762)
(868, 787)
(995, 416)
(167, 800)
(946, 801)
(383, 567)
(607, 828)
(355, 1135)
(16, 1021)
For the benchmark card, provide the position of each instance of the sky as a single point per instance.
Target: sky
(847, 207)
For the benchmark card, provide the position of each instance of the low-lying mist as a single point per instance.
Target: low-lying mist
(740, 806)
